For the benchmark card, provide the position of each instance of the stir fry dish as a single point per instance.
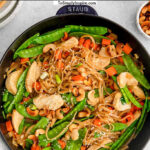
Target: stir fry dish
(75, 88)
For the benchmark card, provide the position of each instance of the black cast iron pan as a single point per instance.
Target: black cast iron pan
(77, 15)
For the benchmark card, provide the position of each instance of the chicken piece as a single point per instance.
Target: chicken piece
(51, 102)
(72, 42)
(32, 75)
(11, 81)
(16, 120)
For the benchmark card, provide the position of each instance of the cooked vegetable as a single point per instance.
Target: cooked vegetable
(135, 71)
(131, 97)
(41, 124)
(25, 44)
(88, 29)
(56, 145)
(21, 126)
(124, 137)
(111, 71)
(58, 80)
(31, 52)
(51, 37)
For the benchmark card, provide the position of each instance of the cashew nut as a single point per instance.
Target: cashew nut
(118, 105)
(51, 102)
(81, 96)
(11, 81)
(32, 112)
(39, 131)
(48, 47)
(59, 115)
(73, 126)
(91, 98)
(32, 75)
(125, 78)
(16, 120)
(74, 134)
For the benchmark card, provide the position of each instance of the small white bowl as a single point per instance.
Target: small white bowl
(137, 21)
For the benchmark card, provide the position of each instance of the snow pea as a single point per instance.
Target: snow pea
(123, 138)
(22, 78)
(22, 110)
(41, 124)
(25, 44)
(121, 89)
(148, 106)
(51, 37)
(70, 115)
(118, 126)
(56, 145)
(98, 38)
(31, 52)
(54, 134)
(89, 29)
(21, 126)
(69, 98)
(86, 118)
(47, 148)
(18, 97)
(142, 118)
(76, 145)
(131, 97)
(7, 96)
(132, 68)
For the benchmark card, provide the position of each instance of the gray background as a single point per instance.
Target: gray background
(122, 12)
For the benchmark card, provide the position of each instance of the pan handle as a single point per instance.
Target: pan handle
(77, 9)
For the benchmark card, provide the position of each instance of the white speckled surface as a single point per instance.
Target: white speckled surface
(122, 12)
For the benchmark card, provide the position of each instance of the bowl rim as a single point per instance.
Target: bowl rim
(137, 20)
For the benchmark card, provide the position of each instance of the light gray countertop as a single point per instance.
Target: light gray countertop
(122, 12)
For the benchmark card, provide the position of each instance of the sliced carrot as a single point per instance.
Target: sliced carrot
(111, 71)
(87, 43)
(81, 41)
(60, 65)
(62, 144)
(2, 3)
(112, 87)
(130, 116)
(24, 60)
(45, 64)
(123, 121)
(130, 90)
(65, 36)
(48, 144)
(83, 148)
(121, 59)
(127, 49)
(106, 42)
(9, 126)
(97, 122)
(58, 55)
(78, 78)
(65, 54)
(37, 85)
(25, 99)
(92, 46)
(110, 108)
(35, 147)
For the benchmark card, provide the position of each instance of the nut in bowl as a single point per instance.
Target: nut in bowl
(143, 19)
